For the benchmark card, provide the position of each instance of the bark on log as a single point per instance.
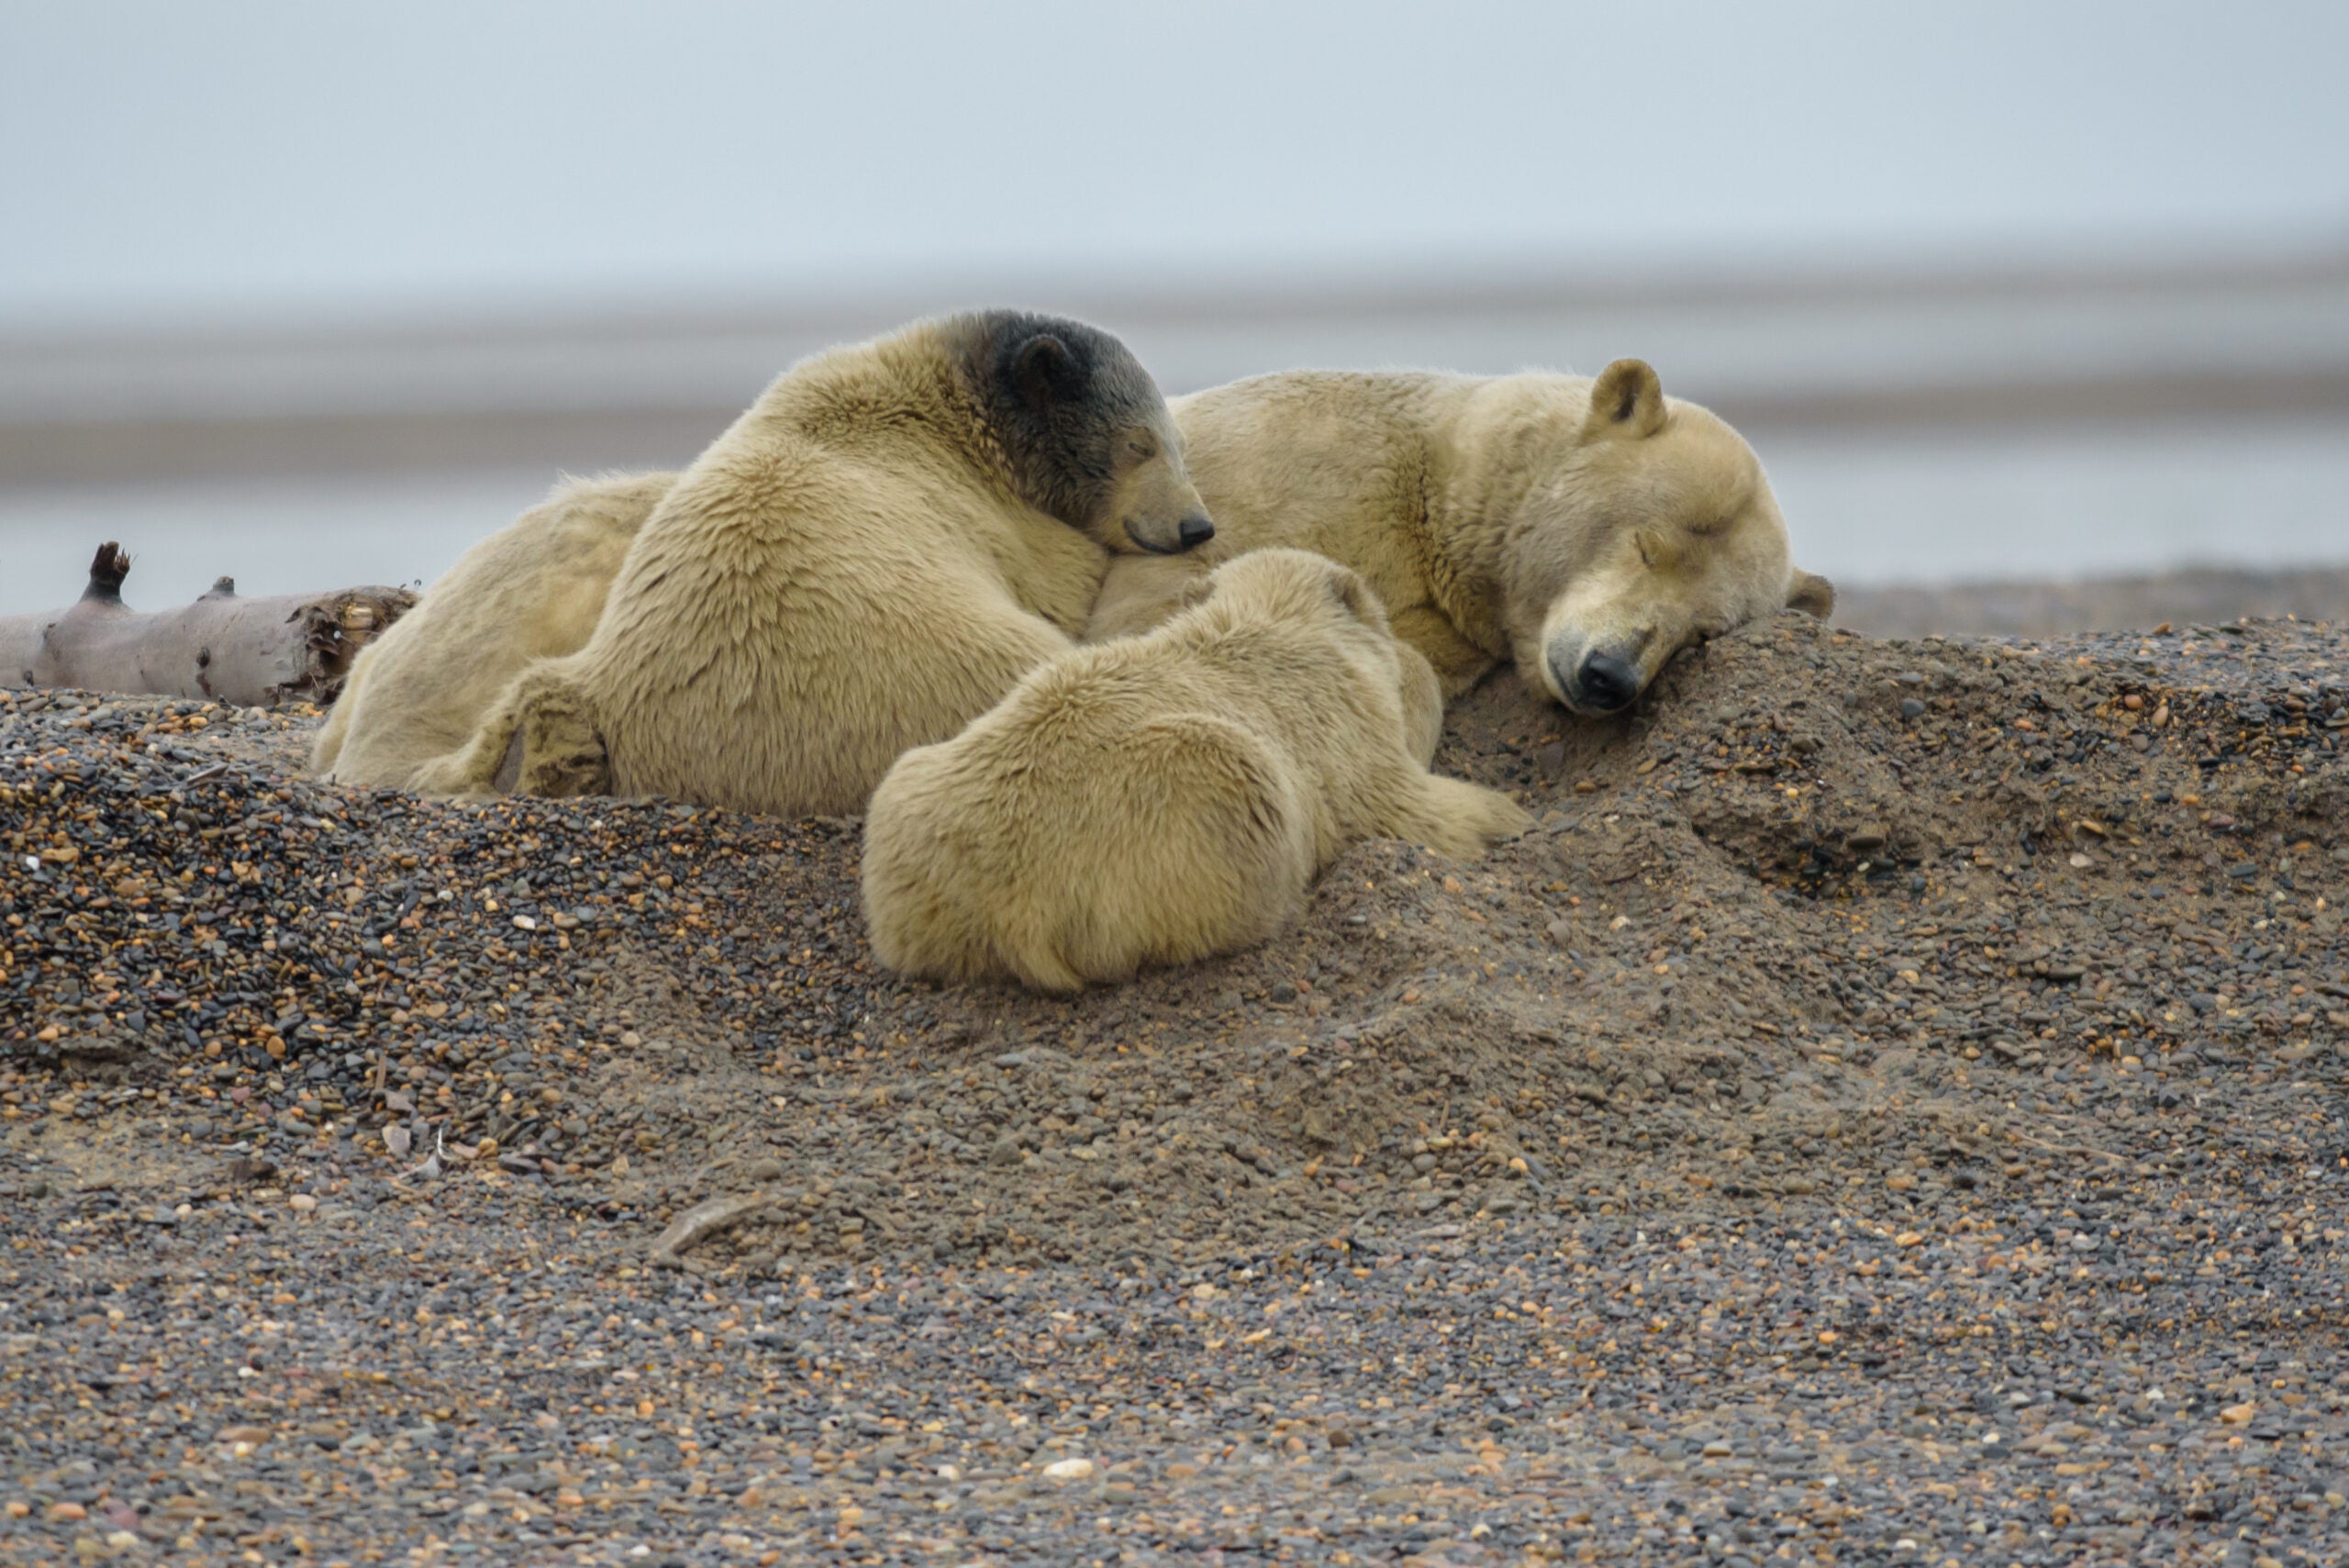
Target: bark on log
(247, 651)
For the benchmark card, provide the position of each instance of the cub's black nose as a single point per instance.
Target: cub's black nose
(1197, 530)
(1604, 683)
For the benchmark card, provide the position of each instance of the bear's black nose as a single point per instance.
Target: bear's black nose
(1604, 683)
(1197, 529)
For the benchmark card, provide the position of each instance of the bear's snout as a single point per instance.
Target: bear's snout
(1155, 538)
(1601, 684)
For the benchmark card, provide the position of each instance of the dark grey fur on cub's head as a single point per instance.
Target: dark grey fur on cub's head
(1060, 396)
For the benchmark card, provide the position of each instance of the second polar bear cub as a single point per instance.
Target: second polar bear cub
(1158, 799)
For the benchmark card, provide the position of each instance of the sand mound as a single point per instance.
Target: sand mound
(1821, 910)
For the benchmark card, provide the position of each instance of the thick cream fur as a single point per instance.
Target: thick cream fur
(1160, 798)
(532, 589)
(848, 571)
(1536, 518)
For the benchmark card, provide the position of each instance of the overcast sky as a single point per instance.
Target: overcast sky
(173, 161)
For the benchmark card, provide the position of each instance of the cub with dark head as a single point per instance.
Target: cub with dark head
(869, 558)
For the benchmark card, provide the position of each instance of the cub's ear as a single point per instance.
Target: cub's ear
(1356, 597)
(1044, 371)
(1626, 400)
(1812, 594)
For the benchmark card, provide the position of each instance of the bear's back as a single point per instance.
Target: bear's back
(1106, 814)
(842, 575)
(1307, 692)
(857, 468)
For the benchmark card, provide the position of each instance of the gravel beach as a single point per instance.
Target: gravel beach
(1894, 1109)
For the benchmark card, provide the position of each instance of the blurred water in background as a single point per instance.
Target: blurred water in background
(307, 294)
(2060, 422)
(1909, 507)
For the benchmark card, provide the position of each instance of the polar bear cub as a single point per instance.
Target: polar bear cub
(1160, 798)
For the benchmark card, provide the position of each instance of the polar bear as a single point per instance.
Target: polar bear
(1159, 798)
(1586, 528)
(532, 589)
(869, 558)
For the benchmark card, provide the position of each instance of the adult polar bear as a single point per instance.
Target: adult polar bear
(885, 543)
(1584, 529)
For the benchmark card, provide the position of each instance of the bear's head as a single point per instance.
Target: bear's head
(1306, 594)
(1294, 587)
(1085, 435)
(1655, 529)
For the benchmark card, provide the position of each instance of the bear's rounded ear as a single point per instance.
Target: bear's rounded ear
(1812, 594)
(1626, 400)
(1043, 370)
(1355, 597)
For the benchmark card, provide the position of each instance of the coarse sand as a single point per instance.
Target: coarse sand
(1892, 1109)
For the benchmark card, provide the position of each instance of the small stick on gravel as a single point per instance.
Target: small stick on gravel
(2067, 1148)
(431, 1164)
(703, 1220)
(247, 651)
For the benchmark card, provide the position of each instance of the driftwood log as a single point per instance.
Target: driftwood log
(252, 652)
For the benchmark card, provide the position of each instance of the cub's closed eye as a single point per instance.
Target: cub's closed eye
(1647, 558)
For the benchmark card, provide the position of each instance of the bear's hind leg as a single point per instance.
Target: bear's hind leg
(538, 738)
(1225, 861)
(1460, 819)
(556, 752)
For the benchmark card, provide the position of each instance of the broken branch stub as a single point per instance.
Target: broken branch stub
(702, 1221)
(247, 651)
